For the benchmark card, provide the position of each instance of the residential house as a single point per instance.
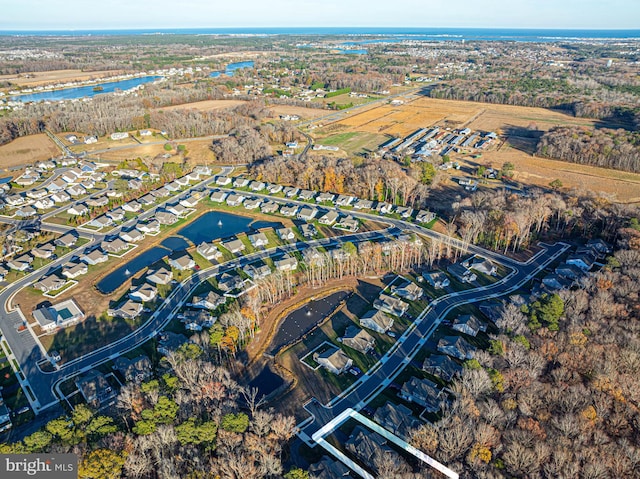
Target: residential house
(273, 188)
(457, 347)
(22, 263)
(210, 301)
(169, 343)
(240, 182)
(190, 201)
(290, 191)
(308, 230)
(114, 245)
(333, 360)
(57, 185)
(14, 200)
(344, 200)
(437, 279)
(161, 192)
(268, 206)
(286, 234)
(422, 392)
(60, 197)
(203, 170)
(172, 187)
(257, 185)
(149, 227)
(119, 135)
(468, 324)
(307, 213)
(209, 251)
(461, 273)
(404, 211)
(368, 447)
(376, 320)
(230, 282)
(313, 258)
(235, 199)
(425, 216)
(36, 194)
(44, 251)
(101, 222)
(183, 180)
(144, 292)
(483, 265)
(329, 218)
(348, 223)
(601, 247)
(135, 370)
(129, 309)
(383, 208)
(258, 240)
(181, 261)
(286, 263)
(26, 212)
(219, 196)
(196, 320)
(165, 218)
(363, 205)
(95, 389)
(583, 258)
(555, 282)
(49, 283)
(96, 256)
(223, 180)
(134, 184)
(257, 271)
(325, 197)
(132, 206)
(289, 210)
(397, 419)
(88, 184)
(147, 200)
(67, 240)
(76, 191)
(72, 270)
(391, 305)
(358, 339)
(442, 366)
(252, 203)
(306, 195)
(492, 310)
(234, 246)
(159, 275)
(407, 290)
(328, 468)
(131, 236)
(115, 215)
(569, 271)
(98, 201)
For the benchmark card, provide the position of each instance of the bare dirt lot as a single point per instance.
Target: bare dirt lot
(27, 150)
(55, 76)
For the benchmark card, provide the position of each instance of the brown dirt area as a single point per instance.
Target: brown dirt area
(27, 150)
(210, 105)
(55, 76)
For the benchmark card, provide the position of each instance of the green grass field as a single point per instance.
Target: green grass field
(354, 142)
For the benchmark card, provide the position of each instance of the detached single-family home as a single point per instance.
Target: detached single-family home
(601, 247)
(172, 187)
(290, 191)
(257, 271)
(556, 282)
(147, 200)
(36, 194)
(325, 197)
(358, 339)
(67, 240)
(273, 188)
(425, 216)
(235, 199)
(182, 261)
(286, 234)
(328, 468)
(289, 210)
(383, 208)
(14, 200)
(569, 271)
(468, 324)
(456, 347)
(97, 201)
(306, 195)
(57, 185)
(44, 251)
(60, 197)
(131, 236)
(75, 191)
(422, 392)
(234, 246)
(391, 305)
(26, 212)
(169, 343)
(115, 215)
(190, 201)
(442, 366)
(49, 283)
(96, 256)
(286, 263)
(308, 230)
(114, 245)
(210, 301)
(269, 206)
(219, 196)
(307, 213)
(161, 192)
(159, 275)
(252, 203)
(257, 185)
(461, 273)
(348, 223)
(101, 222)
(397, 418)
(258, 240)
(363, 204)
(484, 266)
(22, 263)
(95, 388)
(437, 279)
(404, 211)
(127, 310)
(209, 251)
(135, 370)
(132, 206)
(313, 258)
(329, 218)
(407, 290)
(583, 259)
(165, 218)
(344, 200)
(145, 292)
(223, 180)
(369, 448)
(183, 180)
(229, 282)
(240, 182)
(149, 227)
(333, 359)
(377, 321)
(72, 270)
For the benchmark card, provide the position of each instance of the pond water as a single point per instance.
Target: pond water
(353, 52)
(84, 91)
(266, 382)
(214, 225)
(304, 319)
(232, 67)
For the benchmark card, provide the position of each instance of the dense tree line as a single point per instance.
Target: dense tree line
(618, 149)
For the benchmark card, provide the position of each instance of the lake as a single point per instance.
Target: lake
(215, 225)
(266, 382)
(210, 226)
(232, 67)
(85, 91)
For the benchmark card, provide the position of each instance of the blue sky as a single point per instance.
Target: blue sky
(122, 14)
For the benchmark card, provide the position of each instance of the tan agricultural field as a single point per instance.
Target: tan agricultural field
(55, 76)
(27, 150)
(401, 120)
(277, 110)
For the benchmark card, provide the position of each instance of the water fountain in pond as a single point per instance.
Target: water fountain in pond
(219, 222)
(127, 272)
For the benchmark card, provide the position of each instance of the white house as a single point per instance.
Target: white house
(182, 261)
(258, 240)
(145, 292)
(209, 251)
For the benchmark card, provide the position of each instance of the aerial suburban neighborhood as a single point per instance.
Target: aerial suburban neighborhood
(296, 255)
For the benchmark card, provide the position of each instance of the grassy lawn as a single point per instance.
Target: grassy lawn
(354, 142)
